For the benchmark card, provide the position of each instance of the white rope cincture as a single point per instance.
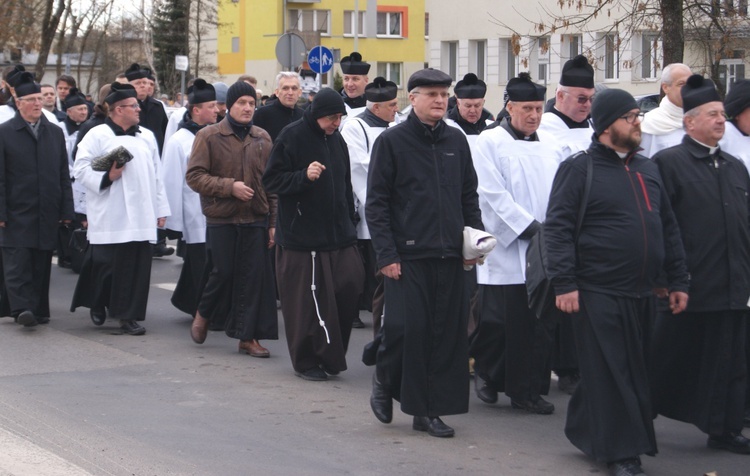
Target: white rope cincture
(315, 299)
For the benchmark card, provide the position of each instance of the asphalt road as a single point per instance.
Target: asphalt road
(76, 399)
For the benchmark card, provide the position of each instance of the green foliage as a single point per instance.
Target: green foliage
(338, 82)
(171, 37)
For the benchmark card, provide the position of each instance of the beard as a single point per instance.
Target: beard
(629, 141)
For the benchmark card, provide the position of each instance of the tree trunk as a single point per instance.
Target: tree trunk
(673, 35)
(50, 20)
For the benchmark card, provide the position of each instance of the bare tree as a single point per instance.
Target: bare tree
(52, 12)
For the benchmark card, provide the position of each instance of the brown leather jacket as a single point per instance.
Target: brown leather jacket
(218, 159)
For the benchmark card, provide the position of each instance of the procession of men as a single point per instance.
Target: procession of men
(346, 205)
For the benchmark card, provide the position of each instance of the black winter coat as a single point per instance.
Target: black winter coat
(709, 195)
(154, 119)
(629, 232)
(275, 116)
(311, 216)
(35, 191)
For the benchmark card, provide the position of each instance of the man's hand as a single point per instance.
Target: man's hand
(271, 237)
(242, 192)
(114, 172)
(392, 271)
(314, 170)
(471, 262)
(160, 222)
(2, 224)
(568, 302)
(678, 301)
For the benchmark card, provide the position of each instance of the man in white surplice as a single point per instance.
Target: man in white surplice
(662, 127)
(736, 140)
(515, 165)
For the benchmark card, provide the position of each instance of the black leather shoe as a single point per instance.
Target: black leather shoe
(42, 320)
(132, 328)
(434, 426)
(483, 391)
(539, 406)
(381, 401)
(357, 323)
(160, 249)
(734, 442)
(328, 370)
(626, 467)
(98, 316)
(27, 319)
(315, 374)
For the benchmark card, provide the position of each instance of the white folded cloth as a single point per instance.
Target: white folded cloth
(477, 245)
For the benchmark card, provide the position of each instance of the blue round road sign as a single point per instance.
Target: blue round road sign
(320, 59)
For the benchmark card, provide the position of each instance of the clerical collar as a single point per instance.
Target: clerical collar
(372, 120)
(711, 150)
(516, 134)
(354, 103)
(570, 122)
(71, 126)
(119, 131)
(188, 123)
(239, 129)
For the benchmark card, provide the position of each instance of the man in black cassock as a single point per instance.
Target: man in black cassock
(698, 359)
(35, 196)
(604, 280)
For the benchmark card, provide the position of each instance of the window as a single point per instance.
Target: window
(649, 55)
(391, 72)
(310, 20)
(349, 18)
(389, 24)
(507, 60)
(449, 58)
(611, 57)
(572, 47)
(235, 44)
(478, 58)
(543, 56)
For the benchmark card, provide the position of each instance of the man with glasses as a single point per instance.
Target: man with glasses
(662, 127)
(603, 276)
(318, 267)
(698, 358)
(421, 193)
(124, 206)
(35, 197)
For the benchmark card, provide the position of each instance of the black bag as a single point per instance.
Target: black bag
(78, 245)
(541, 294)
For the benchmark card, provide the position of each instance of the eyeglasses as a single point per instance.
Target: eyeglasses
(135, 106)
(334, 117)
(583, 99)
(631, 117)
(31, 99)
(434, 94)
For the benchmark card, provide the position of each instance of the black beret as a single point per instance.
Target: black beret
(698, 91)
(381, 90)
(135, 72)
(523, 89)
(608, 106)
(120, 91)
(738, 98)
(577, 73)
(14, 75)
(428, 77)
(26, 85)
(201, 92)
(471, 87)
(353, 64)
(74, 98)
(326, 103)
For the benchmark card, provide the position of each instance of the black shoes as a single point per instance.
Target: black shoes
(626, 467)
(734, 442)
(98, 316)
(315, 374)
(42, 319)
(539, 406)
(568, 383)
(161, 249)
(132, 328)
(357, 323)
(329, 370)
(27, 319)
(381, 401)
(483, 391)
(434, 426)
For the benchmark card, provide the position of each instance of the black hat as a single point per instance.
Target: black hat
(135, 72)
(26, 85)
(608, 106)
(380, 90)
(120, 91)
(201, 92)
(237, 90)
(14, 75)
(74, 98)
(353, 64)
(697, 92)
(428, 77)
(577, 73)
(523, 89)
(470, 87)
(327, 102)
(149, 74)
(738, 98)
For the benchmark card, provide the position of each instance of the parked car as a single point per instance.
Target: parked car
(647, 102)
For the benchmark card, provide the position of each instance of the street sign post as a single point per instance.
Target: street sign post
(320, 60)
(181, 65)
(290, 50)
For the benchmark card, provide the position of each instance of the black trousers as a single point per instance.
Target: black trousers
(27, 274)
(187, 292)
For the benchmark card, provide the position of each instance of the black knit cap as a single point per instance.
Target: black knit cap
(135, 72)
(74, 98)
(327, 102)
(237, 90)
(523, 89)
(14, 75)
(381, 90)
(26, 85)
(353, 64)
(738, 98)
(119, 91)
(577, 73)
(697, 92)
(201, 92)
(428, 77)
(471, 87)
(608, 106)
